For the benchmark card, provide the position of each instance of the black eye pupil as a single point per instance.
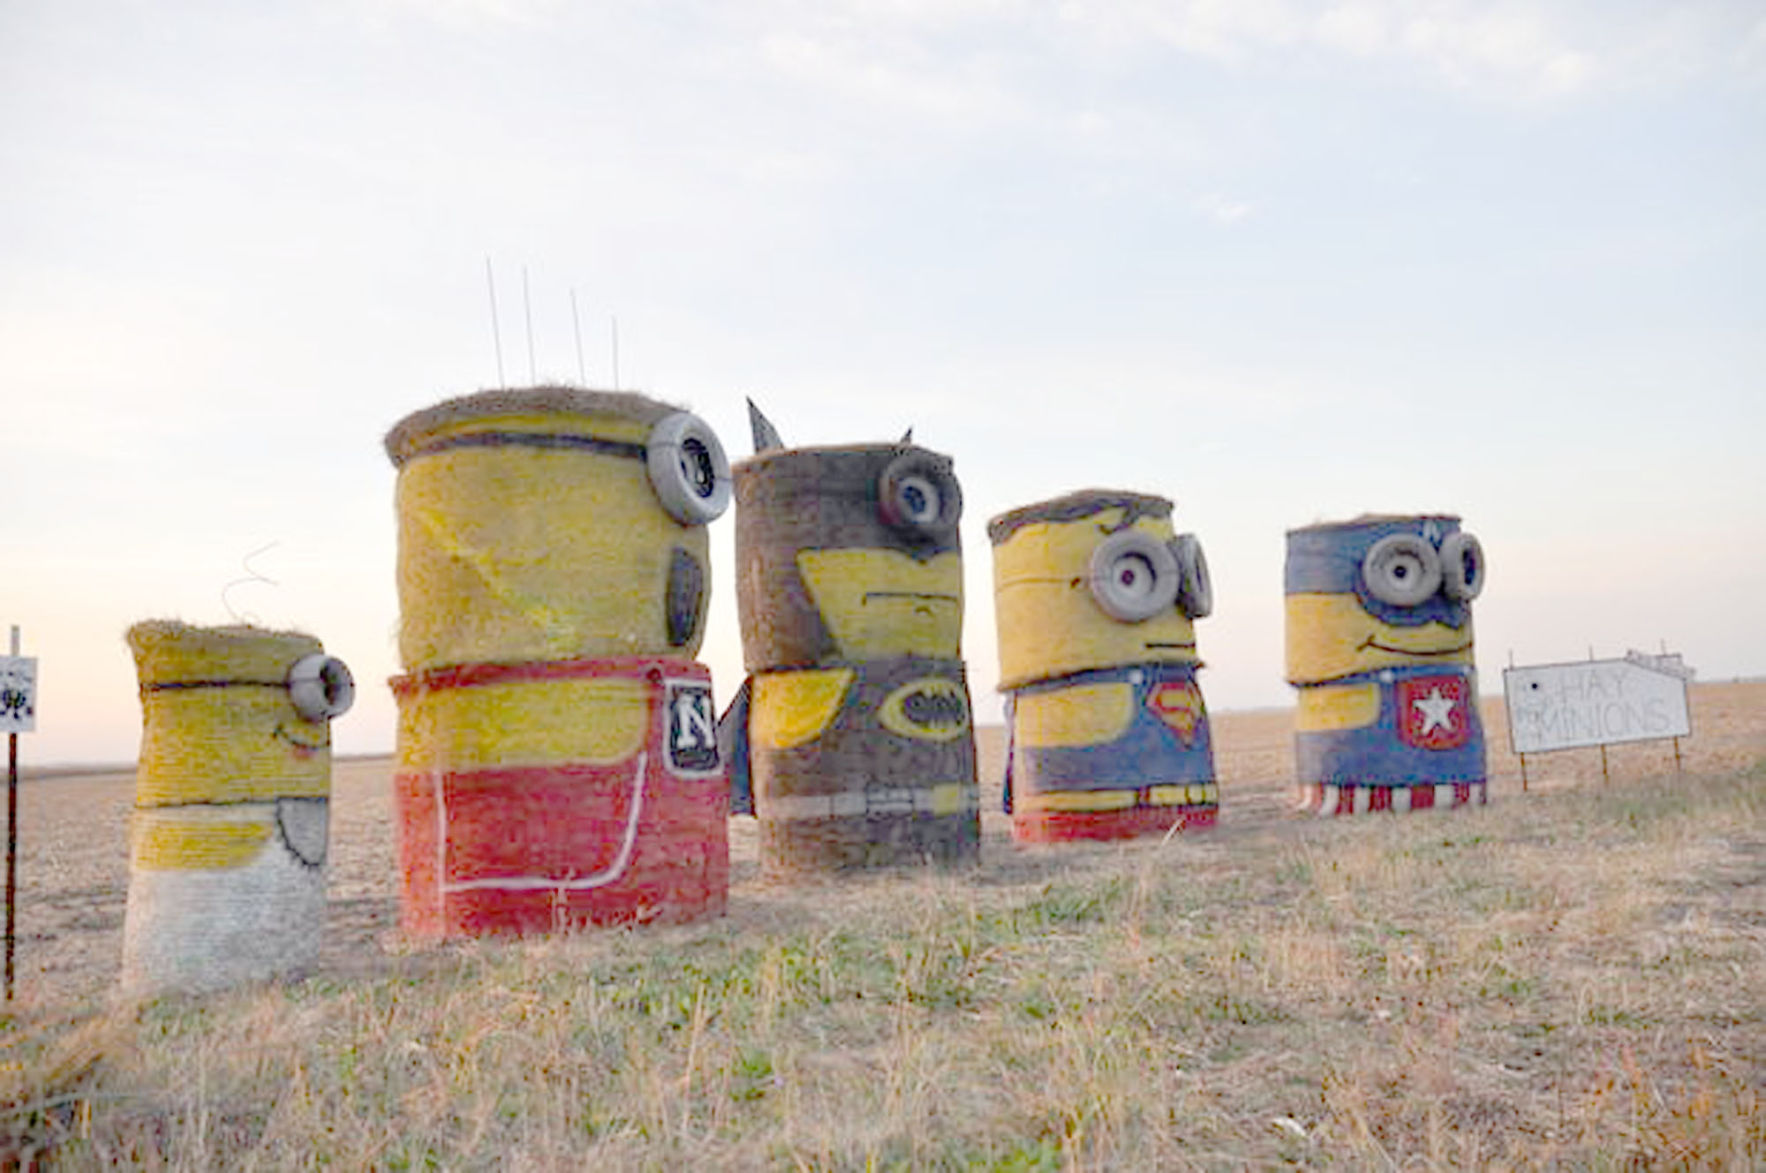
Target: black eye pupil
(697, 468)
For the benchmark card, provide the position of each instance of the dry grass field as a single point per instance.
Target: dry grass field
(1575, 975)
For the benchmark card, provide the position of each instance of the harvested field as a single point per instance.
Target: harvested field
(1569, 975)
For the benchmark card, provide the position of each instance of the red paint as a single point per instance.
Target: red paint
(561, 823)
(1067, 826)
(1433, 712)
(1179, 705)
(1422, 798)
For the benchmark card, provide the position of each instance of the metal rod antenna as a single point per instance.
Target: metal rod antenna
(533, 377)
(490, 281)
(576, 325)
(11, 842)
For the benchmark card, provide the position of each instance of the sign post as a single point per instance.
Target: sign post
(18, 714)
(1595, 703)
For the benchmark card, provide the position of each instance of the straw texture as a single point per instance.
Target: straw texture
(857, 732)
(228, 840)
(556, 743)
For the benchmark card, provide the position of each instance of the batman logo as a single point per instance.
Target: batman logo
(929, 709)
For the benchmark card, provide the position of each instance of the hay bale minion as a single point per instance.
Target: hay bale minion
(229, 834)
(557, 742)
(1379, 644)
(852, 740)
(1096, 600)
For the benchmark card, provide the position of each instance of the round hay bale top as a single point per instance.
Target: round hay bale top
(1075, 505)
(485, 409)
(809, 452)
(1367, 519)
(170, 650)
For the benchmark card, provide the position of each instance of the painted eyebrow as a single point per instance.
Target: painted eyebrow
(546, 440)
(185, 685)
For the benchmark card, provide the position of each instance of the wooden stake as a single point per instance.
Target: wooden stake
(11, 842)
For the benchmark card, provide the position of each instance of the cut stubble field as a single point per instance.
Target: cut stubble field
(1571, 975)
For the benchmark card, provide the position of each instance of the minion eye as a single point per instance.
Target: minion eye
(1195, 589)
(919, 500)
(321, 687)
(1133, 577)
(1462, 566)
(1402, 570)
(919, 497)
(688, 469)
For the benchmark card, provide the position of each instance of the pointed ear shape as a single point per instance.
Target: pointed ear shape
(907, 437)
(766, 436)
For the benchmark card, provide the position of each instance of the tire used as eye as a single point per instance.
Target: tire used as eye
(918, 496)
(321, 687)
(1195, 589)
(1402, 570)
(1130, 553)
(1462, 566)
(688, 469)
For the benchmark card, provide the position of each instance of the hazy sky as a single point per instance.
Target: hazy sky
(1279, 261)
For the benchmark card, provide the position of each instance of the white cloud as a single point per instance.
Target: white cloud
(1511, 49)
(1219, 208)
(892, 75)
(467, 13)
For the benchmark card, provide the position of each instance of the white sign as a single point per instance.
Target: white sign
(1669, 662)
(18, 694)
(1593, 702)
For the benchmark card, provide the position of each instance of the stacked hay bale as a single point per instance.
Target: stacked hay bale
(1096, 600)
(228, 837)
(557, 754)
(1379, 643)
(854, 731)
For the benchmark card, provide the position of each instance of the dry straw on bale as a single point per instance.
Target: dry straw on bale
(228, 838)
(859, 736)
(557, 755)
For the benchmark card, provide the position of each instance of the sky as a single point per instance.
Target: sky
(1281, 262)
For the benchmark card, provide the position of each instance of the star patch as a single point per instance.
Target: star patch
(1434, 712)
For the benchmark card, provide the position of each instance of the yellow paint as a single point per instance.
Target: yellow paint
(199, 838)
(509, 553)
(1330, 636)
(791, 708)
(229, 745)
(234, 743)
(594, 721)
(167, 651)
(1086, 714)
(1048, 621)
(893, 715)
(950, 797)
(1193, 794)
(1180, 707)
(1331, 707)
(1076, 800)
(878, 603)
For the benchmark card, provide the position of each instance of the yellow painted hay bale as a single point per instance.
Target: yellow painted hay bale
(538, 524)
(229, 836)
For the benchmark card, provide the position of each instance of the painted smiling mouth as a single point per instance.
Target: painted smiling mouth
(1380, 647)
(1189, 647)
(919, 599)
(305, 747)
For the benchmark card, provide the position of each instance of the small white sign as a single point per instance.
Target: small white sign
(18, 694)
(1593, 702)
